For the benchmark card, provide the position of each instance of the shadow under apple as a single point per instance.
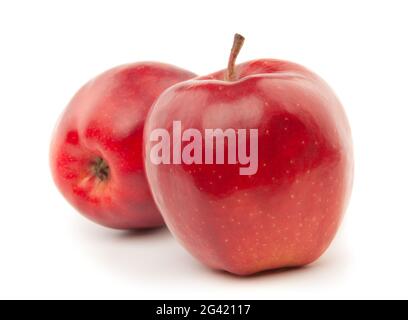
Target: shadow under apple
(154, 257)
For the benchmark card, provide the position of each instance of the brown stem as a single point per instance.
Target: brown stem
(236, 48)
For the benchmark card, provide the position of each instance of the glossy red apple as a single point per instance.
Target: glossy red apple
(96, 152)
(288, 212)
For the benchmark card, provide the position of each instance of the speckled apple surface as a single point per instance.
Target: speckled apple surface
(288, 213)
(96, 152)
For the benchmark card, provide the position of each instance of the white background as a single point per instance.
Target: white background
(48, 49)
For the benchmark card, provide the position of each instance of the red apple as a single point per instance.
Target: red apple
(288, 212)
(96, 152)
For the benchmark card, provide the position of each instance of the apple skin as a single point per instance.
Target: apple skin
(287, 214)
(105, 120)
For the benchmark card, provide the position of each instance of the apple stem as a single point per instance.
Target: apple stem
(100, 169)
(236, 48)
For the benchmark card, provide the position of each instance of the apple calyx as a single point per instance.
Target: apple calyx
(230, 74)
(100, 169)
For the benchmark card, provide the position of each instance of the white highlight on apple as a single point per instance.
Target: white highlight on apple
(192, 153)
